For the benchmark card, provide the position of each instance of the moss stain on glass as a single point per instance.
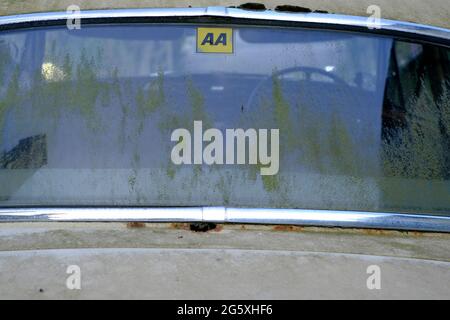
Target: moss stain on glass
(88, 89)
(419, 152)
(418, 149)
(11, 98)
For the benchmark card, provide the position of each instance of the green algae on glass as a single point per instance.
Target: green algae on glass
(223, 186)
(88, 89)
(418, 150)
(6, 59)
(197, 101)
(199, 113)
(132, 181)
(60, 86)
(11, 98)
(342, 151)
(310, 145)
(271, 183)
(156, 96)
(170, 171)
(444, 106)
(415, 156)
(169, 121)
(122, 91)
(150, 100)
(282, 111)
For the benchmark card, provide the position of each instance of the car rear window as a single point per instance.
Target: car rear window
(149, 115)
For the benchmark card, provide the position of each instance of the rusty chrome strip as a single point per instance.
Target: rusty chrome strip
(323, 19)
(323, 218)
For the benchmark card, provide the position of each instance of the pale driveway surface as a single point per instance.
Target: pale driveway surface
(167, 261)
(217, 274)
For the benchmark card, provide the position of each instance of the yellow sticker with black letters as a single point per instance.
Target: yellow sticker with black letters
(215, 40)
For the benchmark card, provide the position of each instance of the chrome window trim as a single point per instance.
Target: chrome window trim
(323, 20)
(326, 218)
(321, 218)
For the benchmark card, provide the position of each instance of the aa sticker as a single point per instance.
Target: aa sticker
(215, 40)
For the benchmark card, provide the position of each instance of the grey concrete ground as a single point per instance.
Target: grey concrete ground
(217, 274)
(435, 12)
(232, 262)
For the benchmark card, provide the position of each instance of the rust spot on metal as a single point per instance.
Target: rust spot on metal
(134, 224)
(414, 233)
(287, 228)
(374, 232)
(179, 226)
(218, 228)
(380, 232)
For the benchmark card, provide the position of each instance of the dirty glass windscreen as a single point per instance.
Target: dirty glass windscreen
(186, 115)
